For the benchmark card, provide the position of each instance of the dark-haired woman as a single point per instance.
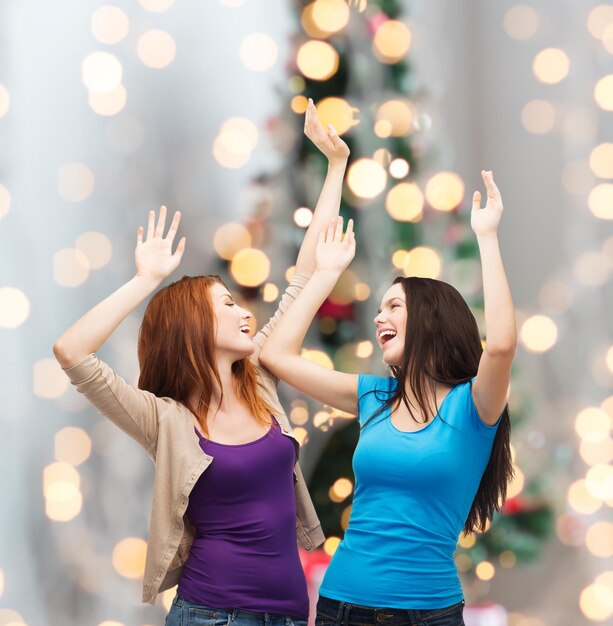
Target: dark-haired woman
(433, 458)
(229, 503)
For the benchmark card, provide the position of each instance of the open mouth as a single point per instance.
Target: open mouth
(246, 330)
(386, 335)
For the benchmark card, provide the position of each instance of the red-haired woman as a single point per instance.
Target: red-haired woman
(433, 458)
(229, 502)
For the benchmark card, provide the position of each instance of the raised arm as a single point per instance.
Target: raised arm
(154, 262)
(337, 153)
(281, 351)
(492, 382)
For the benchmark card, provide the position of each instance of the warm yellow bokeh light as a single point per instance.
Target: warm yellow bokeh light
(299, 104)
(330, 16)
(599, 18)
(570, 531)
(230, 239)
(319, 357)
(366, 178)
(399, 168)
(467, 541)
(581, 500)
(538, 117)
(259, 52)
(364, 349)
(444, 191)
(330, 545)
(362, 291)
(168, 596)
(303, 217)
(397, 115)
(250, 267)
(538, 333)
(485, 570)
(109, 24)
(70, 267)
(75, 182)
(382, 156)
(156, 6)
(270, 292)
(597, 452)
(424, 262)
(101, 72)
(599, 481)
(301, 434)
(551, 65)
(405, 202)
(5, 101)
(337, 112)
(601, 160)
(591, 268)
(603, 93)
(108, 103)
(61, 488)
(392, 41)
(236, 140)
(60, 473)
(72, 445)
(129, 557)
(14, 307)
(5, 201)
(399, 258)
(521, 22)
(593, 424)
(507, 559)
(156, 49)
(600, 201)
(342, 488)
(596, 603)
(517, 484)
(299, 415)
(97, 247)
(317, 60)
(48, 379)
(607, 38)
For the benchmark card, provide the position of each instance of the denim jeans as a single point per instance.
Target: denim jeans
(336, 613)
(184, 613)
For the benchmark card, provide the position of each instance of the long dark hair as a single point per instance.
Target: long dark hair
(442, 345)
(176, 350)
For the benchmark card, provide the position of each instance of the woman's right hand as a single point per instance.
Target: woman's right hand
(334, 252)
(154, 258)
(330, 144)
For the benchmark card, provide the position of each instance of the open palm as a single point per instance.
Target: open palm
(334, 252)
(154, 257)
(329, 143)
(485, 221)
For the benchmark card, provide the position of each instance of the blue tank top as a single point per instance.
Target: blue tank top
(413, 493)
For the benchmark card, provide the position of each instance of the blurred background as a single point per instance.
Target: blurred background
(109, 110)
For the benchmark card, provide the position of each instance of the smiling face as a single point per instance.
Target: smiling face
(391, 324)
(233, 333)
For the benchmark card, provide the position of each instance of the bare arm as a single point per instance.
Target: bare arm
(328, 204)
(281, 352)
(492, 382)
(154, 262)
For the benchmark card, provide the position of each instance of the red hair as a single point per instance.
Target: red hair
(176, 350)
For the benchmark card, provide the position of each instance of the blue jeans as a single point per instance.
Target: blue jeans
(184, 613)
(336, 613)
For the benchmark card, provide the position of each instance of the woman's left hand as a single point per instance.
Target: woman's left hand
(485, 221)
(330, 144)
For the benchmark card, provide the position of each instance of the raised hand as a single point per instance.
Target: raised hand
(154, 257)
(485, 221)
(334, 251)
(329, 143)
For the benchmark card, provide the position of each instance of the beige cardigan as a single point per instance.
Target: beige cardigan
(165, 429)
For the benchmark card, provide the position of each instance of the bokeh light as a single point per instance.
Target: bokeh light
(101, 72)
(551, 65)
(230, 239)
(236, 140)
(299, 104)
(521, 22)
(485, 570)
(593, 424)
(70, 267)
(5, 201)
(598, 19)
(330, 16)
(538, 333)
(303, 217)
(337, 112)
(156, 49)
(366, 178)
(603, 93)
(405, 202)
(156, 6)
(600, 201)
(129, 557)
(61, 489)
(317, 60)
(97, 247)
(319, 357)
(109, 24)
(75, 182)
(516, 485)
(108, 103)
(391, 41)
(424, 262)
(340, 490)
(48, 379)
(538, 117)
(330, 545)
(394, 119)
(250, 267)
(5, 101)
(399, 168)
(599, 481)
(581, 500)
(597, 452)
(596, 602)
(444, 191)
(590, 268)
(601, 160)
(259, 52)
(14, 307)
(72, 446)
(270, 292)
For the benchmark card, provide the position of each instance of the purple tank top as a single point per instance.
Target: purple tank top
(245, 551)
